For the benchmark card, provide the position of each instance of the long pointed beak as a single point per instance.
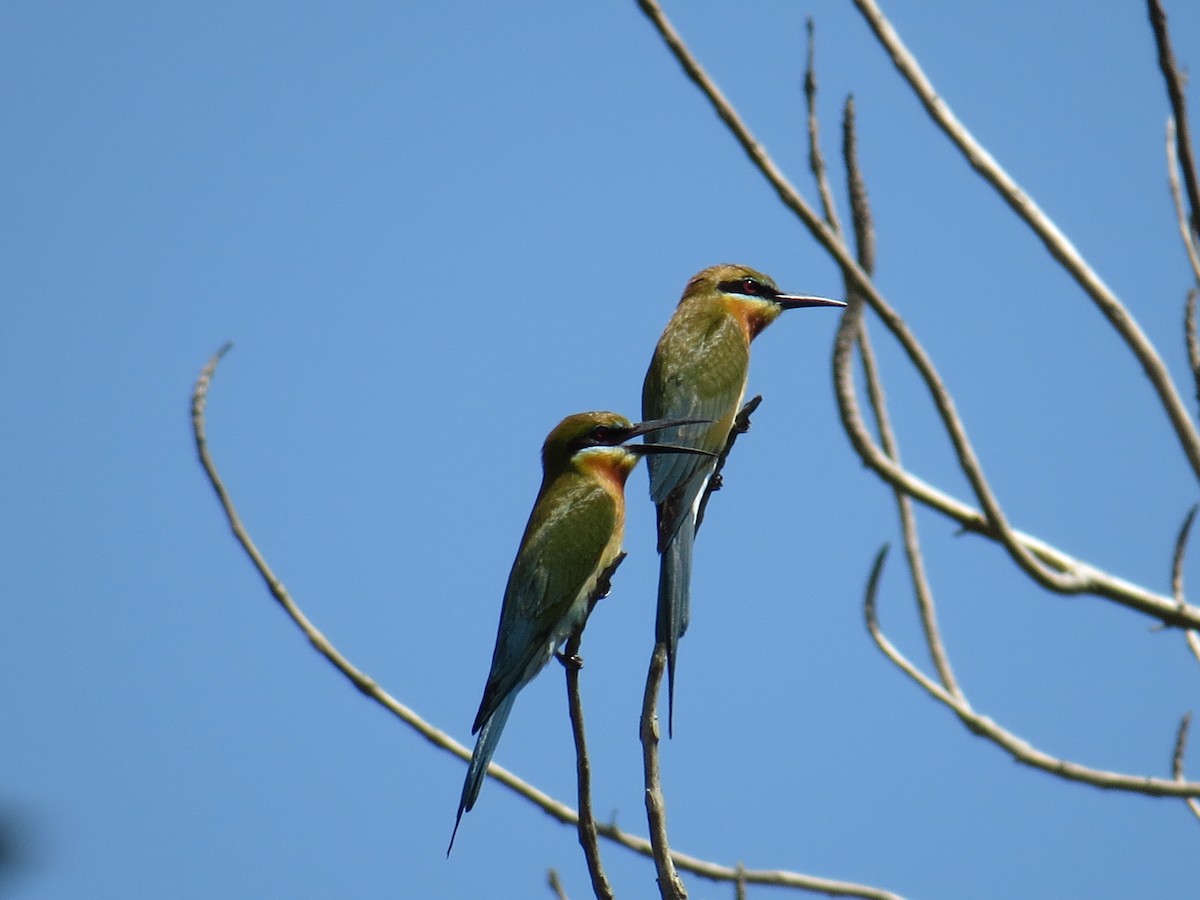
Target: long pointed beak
(801, 301)
(659, 424)
(643, 449)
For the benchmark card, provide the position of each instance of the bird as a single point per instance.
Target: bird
(573, 536)
(699, 370)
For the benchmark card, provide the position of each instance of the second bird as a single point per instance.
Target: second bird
(699, 371)
(573, 535)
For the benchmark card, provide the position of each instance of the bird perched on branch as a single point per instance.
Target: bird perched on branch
(572, 538)
(699, 370)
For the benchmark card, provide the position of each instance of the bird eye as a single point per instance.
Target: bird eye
(600, 434)
(751, 287)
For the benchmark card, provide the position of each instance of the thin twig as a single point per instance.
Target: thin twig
(856, 188)
(1177, 755)
(816, 160)
(1180, 552)
(1175, 92)
(549, 805)
(997, 526)
(864, 233)
(583, 766)
(1020, 749)
(1056, 243)
(556, 885)
(970, 519)
(1191, 243)
(741, 424)
(1193, 637)
(670, 886)
(739, 886)
(1193, 344)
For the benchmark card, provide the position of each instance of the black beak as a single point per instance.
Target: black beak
(658, 425)
(644, 449)
(801, 301)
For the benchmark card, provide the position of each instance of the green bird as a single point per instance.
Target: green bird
(699, 370)
(573, 535)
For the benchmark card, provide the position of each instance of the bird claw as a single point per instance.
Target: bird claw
(571, 662)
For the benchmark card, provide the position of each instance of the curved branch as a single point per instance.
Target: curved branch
(816, 160)
(371, 689)
(556, 885)
(998, 529)
(1099, 582)
(583, 765)
(1175, 93)
(1188, 236)
(1020, 749)
(1054, 240)
(1177, 755)
(1193, 638)
(741, 424)
(669, 884)
(864, 233)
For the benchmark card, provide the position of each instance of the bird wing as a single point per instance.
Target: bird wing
(698, 372)
(559, 560)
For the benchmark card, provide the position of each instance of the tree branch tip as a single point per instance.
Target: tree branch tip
(1181, 737)
(869, 605)
(741, 422)
(213, 360)
(1190, 517)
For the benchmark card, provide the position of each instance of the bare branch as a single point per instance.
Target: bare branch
(860, 207)
(583, 766)
(556, 885)
(1193, 344)
(741, 424)
(669, 884)
(1054, 240)
(816, 160)
(1100, 583)
(1175, 93)
(1177, 756)
(1180, 551)
(1191, 243)
(1053, 578)
(552, 807)
(1193, 637)
(1020, 749)
(864, 232)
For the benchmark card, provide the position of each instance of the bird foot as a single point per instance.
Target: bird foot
(571, 662)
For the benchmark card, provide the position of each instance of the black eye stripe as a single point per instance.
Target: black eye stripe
(597, 436)
(750, 287)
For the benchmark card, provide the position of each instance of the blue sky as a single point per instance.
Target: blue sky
(432, 230)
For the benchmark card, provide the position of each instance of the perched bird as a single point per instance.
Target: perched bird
(699, 371)
(573, 535)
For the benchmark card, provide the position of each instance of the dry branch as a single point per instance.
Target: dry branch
(371, 689)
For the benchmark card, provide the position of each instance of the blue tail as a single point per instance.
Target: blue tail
(674, 600)
(485, 746)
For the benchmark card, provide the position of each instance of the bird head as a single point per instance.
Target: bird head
(598, 439)
(749, 295)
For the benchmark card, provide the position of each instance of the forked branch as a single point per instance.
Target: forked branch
(1049, 566)
(1020, 749)
(371, 689)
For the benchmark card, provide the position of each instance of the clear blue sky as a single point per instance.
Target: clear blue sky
(431, 231)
